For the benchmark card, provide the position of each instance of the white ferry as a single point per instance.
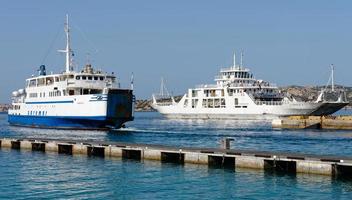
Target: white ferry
(238, 95)
(88, 99)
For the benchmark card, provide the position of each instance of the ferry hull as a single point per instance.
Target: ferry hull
(118, 110)
(70, 122)
(252, 112)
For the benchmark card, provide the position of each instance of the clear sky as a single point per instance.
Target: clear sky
(185, 41)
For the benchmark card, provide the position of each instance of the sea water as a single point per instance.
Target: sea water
(26, 174)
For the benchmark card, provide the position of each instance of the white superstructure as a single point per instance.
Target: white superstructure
(237, 94)
(87, 99)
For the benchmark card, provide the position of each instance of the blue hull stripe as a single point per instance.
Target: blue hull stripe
(78, 122)
(99, 100)
(48, 102)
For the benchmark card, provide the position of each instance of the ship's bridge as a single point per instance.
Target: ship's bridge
(238, 76)
(87, 81)
(233, 73)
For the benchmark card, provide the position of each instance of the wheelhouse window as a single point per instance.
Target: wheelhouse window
(49, 80)
(41, 81)
(63, 78)
(90, 78)
(78, 77)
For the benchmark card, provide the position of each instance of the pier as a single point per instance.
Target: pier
(213, 157)
(314, 122)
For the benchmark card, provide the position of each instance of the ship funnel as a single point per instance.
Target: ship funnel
(42, 71)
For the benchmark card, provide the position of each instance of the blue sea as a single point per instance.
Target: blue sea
(26, 174)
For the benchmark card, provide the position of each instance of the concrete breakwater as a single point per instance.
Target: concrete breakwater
(213, 157)
(314, 122)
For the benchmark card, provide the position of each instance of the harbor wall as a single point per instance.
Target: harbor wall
(220, 158)
(314, 122)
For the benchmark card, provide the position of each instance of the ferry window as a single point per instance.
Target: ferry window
(78, 77)
(85, 91)
(71, 76)
(40, 113)
(63, 78)
(212, 93)
(230, 91)
(210, 103)
(33, 83)
(84, 77)
(222, 103)
(95, 78)
(64, 92)
(93, 91)
(206, 92)
(41, 81)
(33, 95)
(56, 79)
(71, 92)
(89, 78)
(101, 78)
(244, 106)
(49, 80)
(216, 103)
(204, 103)
(236, 101)
(194, 93)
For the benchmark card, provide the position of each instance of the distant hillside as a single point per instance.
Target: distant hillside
(310, 93)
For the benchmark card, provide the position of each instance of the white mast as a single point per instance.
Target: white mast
(241, 59)
(68, 47)
(234, 59)
(162, 87)
(332, 77)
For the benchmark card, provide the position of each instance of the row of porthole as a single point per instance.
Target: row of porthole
(38, 113)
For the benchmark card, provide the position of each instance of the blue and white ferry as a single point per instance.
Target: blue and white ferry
(88, 99)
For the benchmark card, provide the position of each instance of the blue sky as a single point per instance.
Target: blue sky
(186, 42)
